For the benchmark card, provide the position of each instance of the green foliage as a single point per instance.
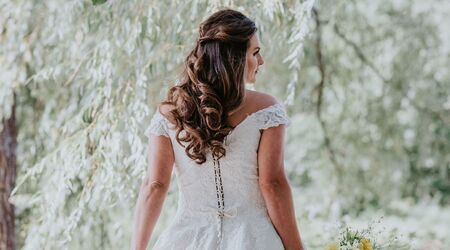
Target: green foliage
(97, 2)
(366, 83)
(365, 239)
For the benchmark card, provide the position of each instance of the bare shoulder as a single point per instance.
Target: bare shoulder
(260, 99)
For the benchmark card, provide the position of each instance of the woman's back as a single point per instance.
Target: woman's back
(242, 200)
(220, 202)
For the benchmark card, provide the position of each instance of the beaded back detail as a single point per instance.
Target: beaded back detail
(220, 205)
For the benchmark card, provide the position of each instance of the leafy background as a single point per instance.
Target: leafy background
(366, 84)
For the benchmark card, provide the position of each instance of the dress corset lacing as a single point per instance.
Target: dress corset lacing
(221, 213)
(250, 229)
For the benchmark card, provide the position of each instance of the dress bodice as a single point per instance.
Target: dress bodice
(224, 192)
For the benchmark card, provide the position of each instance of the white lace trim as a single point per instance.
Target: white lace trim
(224, 201)
(272, 116)
(158, 125)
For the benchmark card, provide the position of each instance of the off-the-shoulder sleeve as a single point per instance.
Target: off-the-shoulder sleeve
(272, 116)
(158, 125)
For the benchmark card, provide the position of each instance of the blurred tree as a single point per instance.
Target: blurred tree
(8, 142)
(86, 76)
(368, 94)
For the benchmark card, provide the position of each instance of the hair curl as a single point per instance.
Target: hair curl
(211, 84)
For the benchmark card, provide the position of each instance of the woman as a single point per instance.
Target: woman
(226, 144)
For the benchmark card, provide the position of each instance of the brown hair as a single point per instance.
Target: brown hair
(211, 84)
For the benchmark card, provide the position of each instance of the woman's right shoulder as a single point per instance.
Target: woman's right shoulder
(262, 99)
(269, 112)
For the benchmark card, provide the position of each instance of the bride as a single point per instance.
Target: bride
(225, 144)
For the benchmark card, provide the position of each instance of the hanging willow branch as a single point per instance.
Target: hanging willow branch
(363, 58)
(320, 88)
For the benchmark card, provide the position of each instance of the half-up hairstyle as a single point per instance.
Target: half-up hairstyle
(211, 84)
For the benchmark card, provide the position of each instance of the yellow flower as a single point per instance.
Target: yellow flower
(365, 244)
(332, 246)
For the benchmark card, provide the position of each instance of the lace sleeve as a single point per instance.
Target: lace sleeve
(273, 116)
(158, 125)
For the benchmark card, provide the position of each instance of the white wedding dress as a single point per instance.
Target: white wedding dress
(220, 203)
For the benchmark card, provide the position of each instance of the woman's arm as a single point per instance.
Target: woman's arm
(153, 190)
(275, 187)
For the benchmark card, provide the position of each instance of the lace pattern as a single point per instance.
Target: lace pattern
(158, 125)
(221, 206)
(272, 116)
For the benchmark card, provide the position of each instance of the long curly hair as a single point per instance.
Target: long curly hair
(211, 84)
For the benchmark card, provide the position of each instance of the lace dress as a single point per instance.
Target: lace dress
(220, 205)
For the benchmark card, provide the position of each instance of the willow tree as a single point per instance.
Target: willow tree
(8, 142)
(87, 78)
(379, 88)
(368, 93)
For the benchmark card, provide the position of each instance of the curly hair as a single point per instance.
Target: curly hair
(211, 84)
